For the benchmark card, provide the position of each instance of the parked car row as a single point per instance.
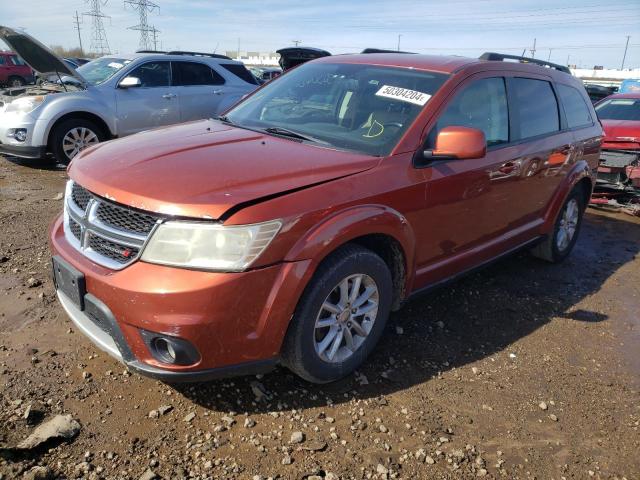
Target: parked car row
(14, 72)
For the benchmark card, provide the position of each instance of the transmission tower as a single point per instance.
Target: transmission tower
(99, 42)
(143, 8)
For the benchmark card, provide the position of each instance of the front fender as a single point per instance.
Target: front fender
(580, 171)
(349, 224)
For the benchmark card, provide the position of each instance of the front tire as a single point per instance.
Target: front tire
(340, 316)
(71, 136)
(16, 82)
(558, 245)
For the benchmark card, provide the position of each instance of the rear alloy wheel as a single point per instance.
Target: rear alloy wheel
(557, 246)
(70, 137)
(16, 82)
(340, 316)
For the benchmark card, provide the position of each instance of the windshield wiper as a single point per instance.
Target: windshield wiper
(225, 119)
(285, 132)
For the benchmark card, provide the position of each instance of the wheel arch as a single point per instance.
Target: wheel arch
(579, 177)
(378, 228)
(83, 115)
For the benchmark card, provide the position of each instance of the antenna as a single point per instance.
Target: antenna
(99, 42)
(144, 7)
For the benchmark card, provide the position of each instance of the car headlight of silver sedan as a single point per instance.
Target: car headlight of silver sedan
(209, 246)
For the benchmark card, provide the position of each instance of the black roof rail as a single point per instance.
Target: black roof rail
(382, 50)
(198, 54)
(501, 57)
(150, 51)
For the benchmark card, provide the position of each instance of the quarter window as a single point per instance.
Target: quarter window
(536, 106)
(1, 60)
(481, 105)
(575, 108)
(153, 74)
(192, 73)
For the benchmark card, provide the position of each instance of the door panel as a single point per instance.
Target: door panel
(153, 104)
(200, 89)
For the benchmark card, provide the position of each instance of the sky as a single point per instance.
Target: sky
(582, 32)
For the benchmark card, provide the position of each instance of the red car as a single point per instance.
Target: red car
(620, 161)
(288, 229)
(13, 71)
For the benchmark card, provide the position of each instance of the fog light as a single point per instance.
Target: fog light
(20, 134)
(170, 350)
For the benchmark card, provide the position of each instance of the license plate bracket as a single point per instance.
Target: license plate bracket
(69, 281)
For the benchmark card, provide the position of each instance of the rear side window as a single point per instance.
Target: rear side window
(481, 105)
(191, 73)
(575, 108)
(536, 107)
(240, 71)
(1, 60)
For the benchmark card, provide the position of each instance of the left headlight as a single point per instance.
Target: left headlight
(208, 246)
(24, 104)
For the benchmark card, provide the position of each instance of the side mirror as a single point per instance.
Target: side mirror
(459, 143)
(130, 82)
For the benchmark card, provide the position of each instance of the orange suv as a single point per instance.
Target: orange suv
(287, 230)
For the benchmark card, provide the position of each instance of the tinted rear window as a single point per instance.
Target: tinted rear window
(575, 108)
(240, 71)
(536, 106)
(619, 109)
(192, 73)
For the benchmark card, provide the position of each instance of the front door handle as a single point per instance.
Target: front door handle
(217, 92)
(169, 96)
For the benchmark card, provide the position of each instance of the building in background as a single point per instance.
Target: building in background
(254, 58)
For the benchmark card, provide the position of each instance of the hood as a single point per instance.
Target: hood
(39, 57)
(294, 56)
(621, 130)
(202, 169)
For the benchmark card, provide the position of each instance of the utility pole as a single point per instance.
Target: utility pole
(624, 57)
(99, 42)
(154, 32)
(238, 56)
(296, 42)
(399, 35)
(76, 20)
(549, 57)
(143, 7)
(568, 57)
(533, 50)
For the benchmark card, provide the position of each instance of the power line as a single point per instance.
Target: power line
(99, 42)
(143, 7)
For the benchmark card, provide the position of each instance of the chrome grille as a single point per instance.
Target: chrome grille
(110, 234)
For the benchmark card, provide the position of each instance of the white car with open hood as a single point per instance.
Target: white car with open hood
(110, 97)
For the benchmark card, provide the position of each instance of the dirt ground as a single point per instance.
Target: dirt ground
(525, 370)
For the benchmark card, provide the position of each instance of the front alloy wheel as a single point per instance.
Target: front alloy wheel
(78, 139)
(346, 318)
(340, 316)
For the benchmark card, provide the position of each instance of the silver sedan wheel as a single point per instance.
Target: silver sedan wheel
(568, 224)
(346, 318)
(78, 139)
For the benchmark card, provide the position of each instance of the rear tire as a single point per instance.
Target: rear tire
(71, 136)
(333, 330)
(16, 82)
(558, 245)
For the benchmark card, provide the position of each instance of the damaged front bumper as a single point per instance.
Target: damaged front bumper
(618, 181)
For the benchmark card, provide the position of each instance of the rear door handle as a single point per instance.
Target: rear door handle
(169, 96)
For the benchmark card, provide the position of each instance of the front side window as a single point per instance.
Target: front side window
(357, 107)
(1, 60)
(619, 109)
(192, 73)
(481, 105)
(575, 108)
(536, 106)
(153, 74)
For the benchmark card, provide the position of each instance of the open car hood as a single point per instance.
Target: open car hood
(294, 56)
(37, 56)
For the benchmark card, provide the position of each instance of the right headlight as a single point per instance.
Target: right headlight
(209, 246)
(24, 104)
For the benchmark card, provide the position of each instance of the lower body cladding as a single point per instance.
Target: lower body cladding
(175, 324)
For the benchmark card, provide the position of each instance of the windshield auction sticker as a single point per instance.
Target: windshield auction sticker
(403, 94)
